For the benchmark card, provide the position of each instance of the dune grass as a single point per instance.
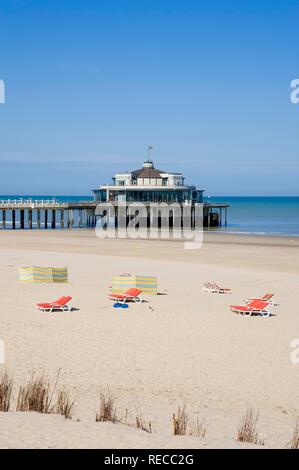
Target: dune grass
(38, 395)
(107, 409)
(35, 395)
(247, 430)
(140, 422)
(64, 404)
(198, 428)
(180, 421)
(6, 387)
(294, 442)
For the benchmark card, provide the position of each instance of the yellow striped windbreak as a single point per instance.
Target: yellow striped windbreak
(148, 284)
(38, 274)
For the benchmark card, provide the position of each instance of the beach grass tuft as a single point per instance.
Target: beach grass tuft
(184, 425)
(35, 395)
(107, 410)
(247, 430)
(294, 442)
(64, 404)
(6, 385)
(197, 428)
(180, 421)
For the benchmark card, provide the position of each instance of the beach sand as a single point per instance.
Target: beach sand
(182, 347)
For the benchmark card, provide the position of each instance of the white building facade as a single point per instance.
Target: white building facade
(148, 184)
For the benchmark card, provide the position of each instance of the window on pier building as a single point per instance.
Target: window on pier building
(101, 195)
(197, 196)
(162, 196)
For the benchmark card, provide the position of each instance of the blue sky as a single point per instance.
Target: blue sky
(89, 84)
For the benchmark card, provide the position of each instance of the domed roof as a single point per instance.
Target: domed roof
(147, 171)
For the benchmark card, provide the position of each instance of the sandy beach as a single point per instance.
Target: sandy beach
(182, 347)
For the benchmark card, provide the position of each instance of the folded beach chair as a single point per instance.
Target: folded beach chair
(130, 294)
(215, 289)
(265, 298)
(208, 287)
(222, 290)
(60, 305)
(255, 307)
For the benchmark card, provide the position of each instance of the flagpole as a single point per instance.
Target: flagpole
(149, 148)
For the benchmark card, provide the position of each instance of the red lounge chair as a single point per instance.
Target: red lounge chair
(255, 307)
(130, 294)
(265, 298)
(60, 305)
(213, 288)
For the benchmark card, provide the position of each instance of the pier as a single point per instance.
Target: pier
(215, 214)
(51, 214)
(29, 214)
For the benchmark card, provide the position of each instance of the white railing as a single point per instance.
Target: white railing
(31, 203)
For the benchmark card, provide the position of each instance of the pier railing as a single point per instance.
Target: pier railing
(31, 203)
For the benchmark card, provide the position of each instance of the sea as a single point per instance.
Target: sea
(246, 215)
(261, 215)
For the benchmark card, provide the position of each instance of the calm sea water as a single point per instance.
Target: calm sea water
(262, 215)
(251, 215)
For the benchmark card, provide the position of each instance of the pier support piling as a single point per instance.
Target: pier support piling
(62, 218)
(22, 218)
(13, 216)
(38, 218)
(46, 218)
(53, 220)
(30, 219)
(70, 220)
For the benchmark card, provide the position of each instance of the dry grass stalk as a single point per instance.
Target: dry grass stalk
(125, 419)
(180, 421)
(107, 411)
(198, 429)
(141, 423)
(6, 384)
(64, 404)
(35, 395)
(135, 420)
(247, 430)
(294, 443)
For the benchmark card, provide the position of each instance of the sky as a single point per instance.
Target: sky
(90, 84)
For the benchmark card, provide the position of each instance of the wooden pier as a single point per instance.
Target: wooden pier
(215, 214)
(29, 214)
(44, 214)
